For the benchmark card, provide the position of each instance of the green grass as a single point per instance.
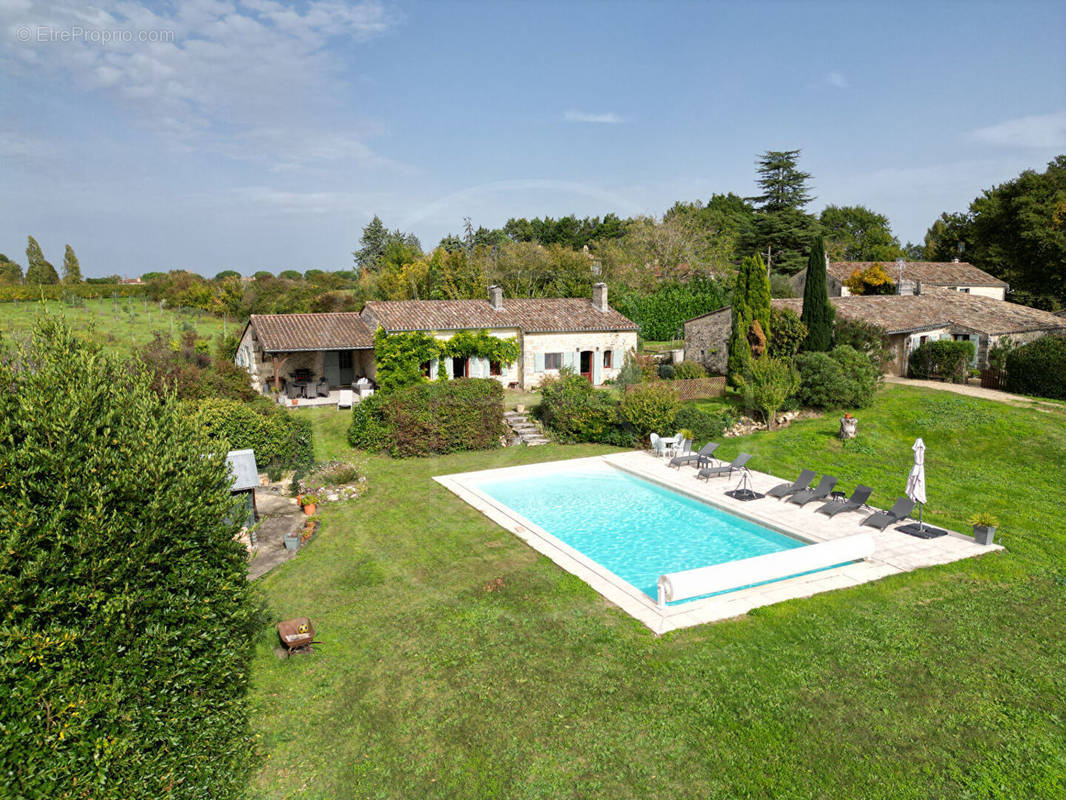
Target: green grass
(946, 682)
(119, 325)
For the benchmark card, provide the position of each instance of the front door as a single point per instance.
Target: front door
(586, 364)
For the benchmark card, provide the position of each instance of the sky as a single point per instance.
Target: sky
(254, 134)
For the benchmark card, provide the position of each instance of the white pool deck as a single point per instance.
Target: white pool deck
(894, 552)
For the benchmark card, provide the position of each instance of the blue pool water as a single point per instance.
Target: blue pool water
(636, 529)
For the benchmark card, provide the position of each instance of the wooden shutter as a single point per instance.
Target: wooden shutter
(538, 362)
(597, 368)
(434, 365)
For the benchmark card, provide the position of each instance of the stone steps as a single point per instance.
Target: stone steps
(529, 433)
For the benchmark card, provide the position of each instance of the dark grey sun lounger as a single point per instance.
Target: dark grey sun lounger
(738, 463)
(798, 485)
(899, 512)
(819, 492)
(694, 458)
(856, 501)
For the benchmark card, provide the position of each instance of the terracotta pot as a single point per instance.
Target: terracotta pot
(309, 509)
(295, 401)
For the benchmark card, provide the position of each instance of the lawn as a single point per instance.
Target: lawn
(435, 679)
(120, 325)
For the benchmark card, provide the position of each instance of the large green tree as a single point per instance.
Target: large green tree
(38, 270)
(10, 271)
(71, 267)
(750, 330)
(817, 310)
(855, 233)
(127, 616)
(782, 228)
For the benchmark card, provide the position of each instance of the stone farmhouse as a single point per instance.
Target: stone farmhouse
(911, 276)
(908, 320)
(333, 350)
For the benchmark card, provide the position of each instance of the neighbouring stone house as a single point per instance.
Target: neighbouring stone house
(959, 276)
(584, 334)
(908, 320)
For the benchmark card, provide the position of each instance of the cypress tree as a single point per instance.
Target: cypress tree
(759, 293)
(739, 349)
(38, 271)
(71, 267)
(817, 310)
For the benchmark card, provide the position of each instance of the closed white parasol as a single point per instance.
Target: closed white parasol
(916, 480)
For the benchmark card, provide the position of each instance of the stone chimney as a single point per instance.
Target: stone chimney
(955, 260)
(496, 298)
(599, 296)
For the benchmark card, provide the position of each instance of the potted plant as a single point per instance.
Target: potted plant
(310, 529)
(292, 540)
(309, 502)
(984, 527)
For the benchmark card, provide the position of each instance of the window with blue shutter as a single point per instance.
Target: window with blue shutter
(538, 362)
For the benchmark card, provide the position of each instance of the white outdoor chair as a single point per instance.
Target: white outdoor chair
(344, 398)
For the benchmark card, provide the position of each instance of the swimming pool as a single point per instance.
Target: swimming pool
(635, 528)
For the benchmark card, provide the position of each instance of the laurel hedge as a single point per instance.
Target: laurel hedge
(1038, 368)
(281, 439)
(127, 619)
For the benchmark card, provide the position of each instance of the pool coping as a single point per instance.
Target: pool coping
(894, 552)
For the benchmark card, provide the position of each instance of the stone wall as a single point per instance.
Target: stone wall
(707, 340)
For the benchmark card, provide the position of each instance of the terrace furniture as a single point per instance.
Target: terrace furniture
(323, 387)
(737, 464)
(856, 501)
(682, 447)
(798, 485)
(695, 458)
(658, 446)
(819, 492)
(344, 398)
(899, 512)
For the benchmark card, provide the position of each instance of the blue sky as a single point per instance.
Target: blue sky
(264, 135)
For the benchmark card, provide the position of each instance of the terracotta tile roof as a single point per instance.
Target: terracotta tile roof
(286, 333)
(937, 308)
(930, 273)
(530, 315)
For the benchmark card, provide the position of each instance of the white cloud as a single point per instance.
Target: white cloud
(1038, 130)
(837, 79)
(609, 118)
(208, 74)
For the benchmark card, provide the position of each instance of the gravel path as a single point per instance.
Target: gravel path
(977, 391)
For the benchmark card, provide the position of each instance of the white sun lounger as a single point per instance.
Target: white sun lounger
(344, 398)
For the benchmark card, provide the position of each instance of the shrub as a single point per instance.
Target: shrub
(128, 620)
(787, 333)
(186, 368)
(445, 417)
(368, 430)
(666, 371)
(689, 370)
(705, 423)
(631, 371)
(1000, 351)
(944, 358)
(280, 439)
(649, 407)
(865, 337)
(1039, 368)
(843, 378)
(768, 383)
(574, 411)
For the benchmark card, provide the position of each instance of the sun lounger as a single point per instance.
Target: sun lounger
(819, 492)
(696, 459)
(798, 485)
(899, 512)
(738, 463)
(854, 503)
(344, 398)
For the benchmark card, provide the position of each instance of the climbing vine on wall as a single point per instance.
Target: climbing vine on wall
(400, 356)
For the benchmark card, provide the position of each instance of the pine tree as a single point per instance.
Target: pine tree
(10, 272)
(781, 224)
(372, 244)
(71, 267)
(38, 271)
(783, 185)
(817, 310)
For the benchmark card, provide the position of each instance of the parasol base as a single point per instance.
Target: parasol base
(922, 531)
(744, 494)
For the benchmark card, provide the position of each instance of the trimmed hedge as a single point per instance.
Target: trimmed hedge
(1038, 368)
(281, 440)
(431, 418)
(941, 358)
(649, 407)
(128, 622)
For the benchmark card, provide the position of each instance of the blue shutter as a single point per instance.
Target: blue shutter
(538, 362)
(568, 358)
(433, 366)
(617, 359)
(474, 367)
(597, 368)
(448, 367)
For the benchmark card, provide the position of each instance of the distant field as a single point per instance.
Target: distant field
(119, 325)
